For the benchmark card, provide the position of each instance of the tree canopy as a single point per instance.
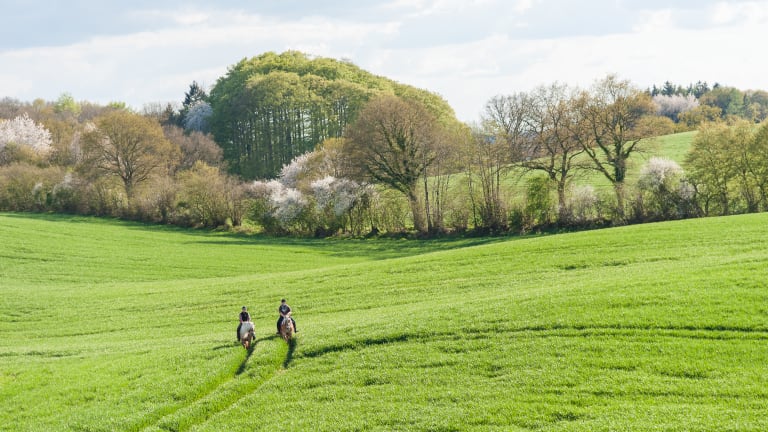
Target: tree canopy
(273, 107)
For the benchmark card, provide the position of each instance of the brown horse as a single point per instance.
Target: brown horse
(286, 328)
(247, 334)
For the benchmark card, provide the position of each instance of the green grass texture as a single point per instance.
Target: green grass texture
(116, 326)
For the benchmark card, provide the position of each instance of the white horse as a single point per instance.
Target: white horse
(286, 328)
(247, 334)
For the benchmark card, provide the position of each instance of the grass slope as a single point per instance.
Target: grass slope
(649, 327)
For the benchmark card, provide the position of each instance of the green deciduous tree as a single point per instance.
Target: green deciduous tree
(758, 163)
(711, 167)
(730, 100)
(128, 146)
(271, 108)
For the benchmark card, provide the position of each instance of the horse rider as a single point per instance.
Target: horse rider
(285, 311)
(244, 317)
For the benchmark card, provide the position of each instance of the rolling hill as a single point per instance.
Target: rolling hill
(117, 326)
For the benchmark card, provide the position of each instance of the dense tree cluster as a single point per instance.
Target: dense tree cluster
(269, 109)
(311, 146)
(708, 104)
(85, 158)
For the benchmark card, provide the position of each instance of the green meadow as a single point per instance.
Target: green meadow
(108, 325)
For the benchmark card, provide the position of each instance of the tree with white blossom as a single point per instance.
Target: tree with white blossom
(665, 193)
(673, 105)
(306, 198)
(198, 116)
(23, 134)
(335, 198)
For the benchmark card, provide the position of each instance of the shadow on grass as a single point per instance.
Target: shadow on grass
(289, 355)
(241, 368)
(356, 344)
(225, 346)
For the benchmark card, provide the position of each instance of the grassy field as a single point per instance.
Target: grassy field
(115, 326)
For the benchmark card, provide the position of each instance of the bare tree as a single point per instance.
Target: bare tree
(129, 146)
(551, 119)
(195, 146)
(391, 143)
(611, 128)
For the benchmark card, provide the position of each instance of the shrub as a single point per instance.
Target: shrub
(25, 187)
(210, 198)
(538, 205)
(663, 191)
(156, 202)
(584, 205)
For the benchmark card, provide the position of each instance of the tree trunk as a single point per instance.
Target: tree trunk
(620, 213)
(419, 223)
(562, 208)
(426, 202)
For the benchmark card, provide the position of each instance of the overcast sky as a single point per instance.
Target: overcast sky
(468, 51)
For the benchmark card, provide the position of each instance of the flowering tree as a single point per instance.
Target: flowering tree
(664, 190)
(292, 173)
(278, 207)
(23, 132)
(300, 201)
(674, 105)
(197, 117)
(336, 198)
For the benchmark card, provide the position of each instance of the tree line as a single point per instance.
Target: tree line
(292, 145)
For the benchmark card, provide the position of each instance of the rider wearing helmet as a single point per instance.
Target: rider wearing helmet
(244, 317)
(284, 310)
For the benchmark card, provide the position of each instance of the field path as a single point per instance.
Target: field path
(273, 356)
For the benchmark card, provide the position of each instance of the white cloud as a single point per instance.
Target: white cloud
(651, 21)
(522, 6)
(159, 65)
(750, 12)
(199, 44)
(468, 75)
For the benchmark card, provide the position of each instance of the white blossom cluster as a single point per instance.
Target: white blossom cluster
(674, 105)
(659, 173)
(197, 117)
(337, 194)
(583, 202)
(289, 204)
(22, 130)
(291, 173)
(325, 200)
(286, 204)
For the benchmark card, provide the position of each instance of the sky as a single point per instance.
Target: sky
(468, 51)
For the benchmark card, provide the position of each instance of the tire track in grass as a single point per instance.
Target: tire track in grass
(151, 421)
(217, 398)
